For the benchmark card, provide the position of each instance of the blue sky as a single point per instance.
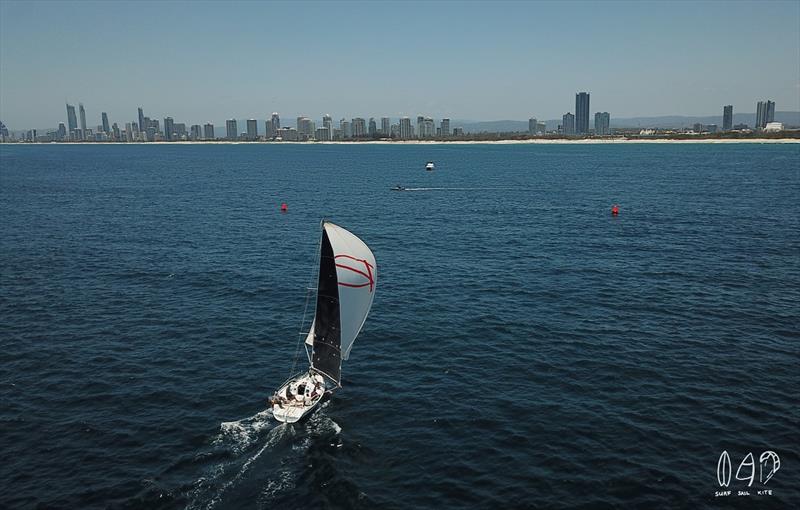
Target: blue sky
(208, 61)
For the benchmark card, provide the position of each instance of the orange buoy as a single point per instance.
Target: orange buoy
(284, 207)
(614, 210)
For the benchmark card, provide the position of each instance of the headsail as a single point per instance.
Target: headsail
(347, 279)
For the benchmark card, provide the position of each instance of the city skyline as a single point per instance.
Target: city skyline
(501, 61)
(357, 128)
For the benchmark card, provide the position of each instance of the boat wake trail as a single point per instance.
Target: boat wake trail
(500, 188)
(277, 450)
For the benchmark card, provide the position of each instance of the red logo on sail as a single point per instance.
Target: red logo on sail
(366, 272)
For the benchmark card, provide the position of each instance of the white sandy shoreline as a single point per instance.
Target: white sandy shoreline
(588, 141)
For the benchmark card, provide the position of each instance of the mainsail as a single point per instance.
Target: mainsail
(345, 290)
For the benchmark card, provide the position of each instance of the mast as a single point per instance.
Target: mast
(326, 356)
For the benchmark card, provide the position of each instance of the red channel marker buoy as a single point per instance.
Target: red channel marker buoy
(284, 207)
(614, 210)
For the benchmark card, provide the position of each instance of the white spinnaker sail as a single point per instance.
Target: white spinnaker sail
(357, 275)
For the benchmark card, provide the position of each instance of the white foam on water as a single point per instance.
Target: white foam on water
(240, 434)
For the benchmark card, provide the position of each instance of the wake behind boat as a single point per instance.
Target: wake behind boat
(347, 278)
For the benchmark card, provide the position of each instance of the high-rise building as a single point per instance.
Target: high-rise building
(430, 128)
(458, 131)
(406, 130)
(115, 132)
(420, 126)
(305, 128)
(288, 134)
(327, 122)
(602, 121)
(346, 129)
(169, 129)
(62, 131)
(83, 118)
(208, 131)
(230, 129)
(765, 113)
(373, 128)
(532, 123)
(276, 122)
(541, 128)
(252, 130)
(106, 128)
(359, 128)
(195, 132)
(568, 124)
(72, 120)
(142, 125)
(386, 128)
(582, 113)
(269, 131)
(323, 134)
(128, 132)
(445, 127)
(727, 117)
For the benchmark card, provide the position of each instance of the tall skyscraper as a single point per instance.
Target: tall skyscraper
(252, 130)
(568, 124)
(445, 127)
(386, 127)
(359, 128)
(601, 123)
(83, 119)
(62, 131)
(169, 129)
(345, 128)
(208, 131)
(582, 113)
(230, 129)
(106, 128)
(406, 130)
(373, 127)
(72, 120)
(532, 123)
(327, 123)
(430, 128)
(765, 113)
(276, 122)
(727, 117)
(142, 125)
(420, 126)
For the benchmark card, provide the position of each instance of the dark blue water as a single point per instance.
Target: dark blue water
(525, 349)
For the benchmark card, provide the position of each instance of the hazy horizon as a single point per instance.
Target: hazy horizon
(198, 62)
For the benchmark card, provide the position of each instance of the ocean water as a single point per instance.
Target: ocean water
(525, 348)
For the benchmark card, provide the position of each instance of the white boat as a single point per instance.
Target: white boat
(346, 287)
(430, 166)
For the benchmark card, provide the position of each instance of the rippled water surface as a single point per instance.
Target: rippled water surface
(525, 349)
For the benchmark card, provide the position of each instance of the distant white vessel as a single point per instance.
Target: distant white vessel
(430, 166)
(345, 290)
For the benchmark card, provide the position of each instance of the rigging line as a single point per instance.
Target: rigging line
(309, 289)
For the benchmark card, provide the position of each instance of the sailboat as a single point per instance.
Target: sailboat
(346, 287)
